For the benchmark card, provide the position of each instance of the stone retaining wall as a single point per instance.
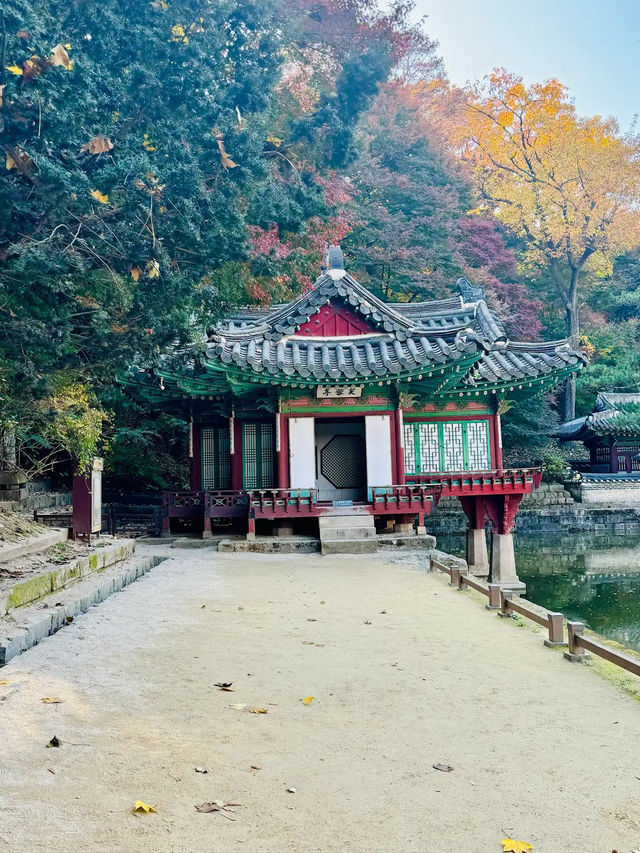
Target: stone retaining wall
(44, 583)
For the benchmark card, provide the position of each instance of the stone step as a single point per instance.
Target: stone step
(326, 522)
(348, 546)
(347, 533)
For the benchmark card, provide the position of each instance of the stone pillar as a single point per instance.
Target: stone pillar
(502, 510)
(404, 524)
(477, 557)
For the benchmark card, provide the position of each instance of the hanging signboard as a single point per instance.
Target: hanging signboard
(333, 391)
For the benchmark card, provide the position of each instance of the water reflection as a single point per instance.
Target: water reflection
(593, 579)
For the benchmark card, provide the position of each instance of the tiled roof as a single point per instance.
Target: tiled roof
(522, 362)
(609, 417)
(362, 357)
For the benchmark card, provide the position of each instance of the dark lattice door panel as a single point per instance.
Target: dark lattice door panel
(258, 453)
(343, 462)
(216, 458)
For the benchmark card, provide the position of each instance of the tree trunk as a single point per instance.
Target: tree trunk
(573, 328)
(8, 454)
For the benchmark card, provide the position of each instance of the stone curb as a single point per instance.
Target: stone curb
(34, 544)
(38, 623)
(52, 580)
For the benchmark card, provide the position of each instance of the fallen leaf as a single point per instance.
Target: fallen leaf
(153, 269)
(54, 742)
(4, 681)
(135, 273)
(254, 710)
(218, 806)
(69, 620)
(291, 790)
(511, 846)
(323, 602)
(52, 700)
(59, 56)
(15, 69)
(160, 5)
(256, 767)
(98, 145)
(366, 622)
(225, 685)
(444, 768)
(101, 197)
(227, 162)
(142, 808)
(201, 770)
(307, 700)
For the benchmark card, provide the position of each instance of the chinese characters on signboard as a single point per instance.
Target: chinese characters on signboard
(334, 391)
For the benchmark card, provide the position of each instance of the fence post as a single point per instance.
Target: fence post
(462, 573)
(505, 596)
(556, 630)
(494, 597)
(576, 653)
(455, 577)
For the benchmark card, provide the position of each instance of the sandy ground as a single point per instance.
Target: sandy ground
(543, 751)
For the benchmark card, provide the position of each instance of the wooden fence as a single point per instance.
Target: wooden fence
(501, 600)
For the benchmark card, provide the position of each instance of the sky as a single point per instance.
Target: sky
(592, 46)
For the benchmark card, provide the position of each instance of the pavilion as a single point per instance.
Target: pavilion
(339, 405)
(611, 434)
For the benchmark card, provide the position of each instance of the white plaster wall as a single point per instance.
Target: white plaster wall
(378, 437)
(623, 494)
(302, 463)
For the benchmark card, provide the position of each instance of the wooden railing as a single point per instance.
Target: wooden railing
(183, 504)
(276, 503)
(580, 645)
(502, 600)
(409, 497)
(225, 503)
(499, 481)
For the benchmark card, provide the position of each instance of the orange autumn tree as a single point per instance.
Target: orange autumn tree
(569, 186)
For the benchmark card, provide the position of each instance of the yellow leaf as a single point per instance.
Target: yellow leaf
(143, 808)
(52, 700)
(135, 273)
(59, 56)
(227, 162)
(160, 5)
(67, 47)
(511, 846)
(307, 700)
(253, 710)
(4, 681)
(10, 162)
(101, 197)
(147, 143)
(97, 145)
(15, 69)
(153, 269)
(275, 140)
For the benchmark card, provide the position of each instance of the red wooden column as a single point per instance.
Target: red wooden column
(282, 449)
(235, 427)
(195, 457)
(477, 556)
(398, 422)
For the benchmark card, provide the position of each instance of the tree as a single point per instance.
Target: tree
(135, 156)
(569, 186)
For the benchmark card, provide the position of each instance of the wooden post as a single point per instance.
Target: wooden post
(576, 653)
(505, 596)
(398, 422)
(494, 597)
(556, 630)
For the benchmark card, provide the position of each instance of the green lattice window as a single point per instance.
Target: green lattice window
(216, 457)
(446, 446)
(258, 454)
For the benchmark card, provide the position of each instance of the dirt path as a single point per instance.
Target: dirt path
(543, 751)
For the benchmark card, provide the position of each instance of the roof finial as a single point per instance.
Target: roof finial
(333, 258)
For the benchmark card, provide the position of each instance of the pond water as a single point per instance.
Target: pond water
(592, 579)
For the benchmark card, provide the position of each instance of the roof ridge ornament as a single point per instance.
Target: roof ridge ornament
(469, 292)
